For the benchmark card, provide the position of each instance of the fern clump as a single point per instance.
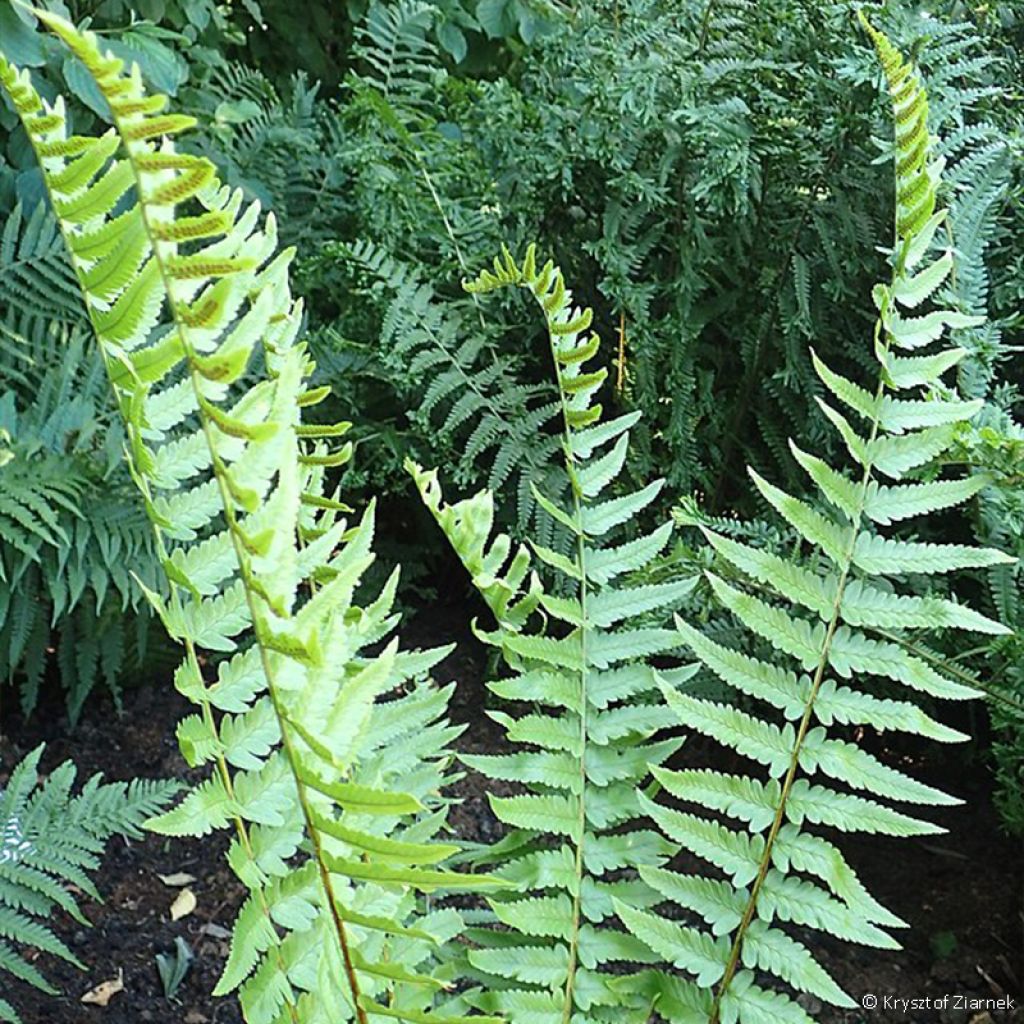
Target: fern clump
(330, 790)
(51, 840)
(821, 614)
(69, 523)
(72, 533)
(583, 744)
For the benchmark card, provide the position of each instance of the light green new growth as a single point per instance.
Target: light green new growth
(814, 621)
(331, 792)
(577, 659)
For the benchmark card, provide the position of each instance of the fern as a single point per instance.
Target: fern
(37, 286)
(396, 93)
(978, 177)
(49, 842)
(329, 789)
(574, 652)
(400, 59)
(466, 392)
(405, 164)
(742, 913)
(279, 146)
(71, 529)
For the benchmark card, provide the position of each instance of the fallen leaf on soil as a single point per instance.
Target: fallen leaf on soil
(178, 879)
(215, 931)
(183, 905)
(102, 993)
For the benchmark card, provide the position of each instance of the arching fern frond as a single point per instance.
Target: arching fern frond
(814, 621)
(331, 791)
(567, 633)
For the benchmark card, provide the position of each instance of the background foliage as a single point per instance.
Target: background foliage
(716, 169)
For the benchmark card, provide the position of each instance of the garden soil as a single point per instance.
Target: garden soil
(961, 893)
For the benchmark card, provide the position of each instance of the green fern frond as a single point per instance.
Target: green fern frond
(71, 529)
(813, 621)
(567, 633)
(281, 152)
(37, 284)
(51, 840)
(400, 59)
(330, 789)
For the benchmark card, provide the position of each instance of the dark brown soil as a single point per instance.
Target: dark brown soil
(961, 893)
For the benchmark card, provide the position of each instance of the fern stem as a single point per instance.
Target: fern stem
(449, 230)
(577, 899)
(406, 135)
(242, 830)
(314, 835)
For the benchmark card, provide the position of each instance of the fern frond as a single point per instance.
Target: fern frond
(51, 840)
(812, 621)
(568, 635)
(400, 58)
(330, 791)
(37, 285)
(71, 530)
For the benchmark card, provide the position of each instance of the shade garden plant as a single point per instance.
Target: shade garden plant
(625, 885)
